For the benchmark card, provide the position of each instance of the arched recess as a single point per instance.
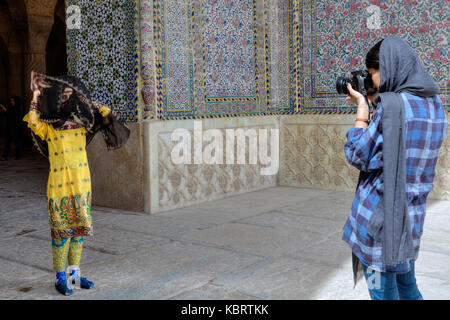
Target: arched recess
(60, 9)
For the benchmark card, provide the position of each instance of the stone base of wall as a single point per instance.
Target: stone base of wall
(312, 152)
(178, 185)
(118, 175)
(312, 155)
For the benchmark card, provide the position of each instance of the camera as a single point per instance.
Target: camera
(360, 81)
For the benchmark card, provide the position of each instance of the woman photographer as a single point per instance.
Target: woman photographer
(396, 174)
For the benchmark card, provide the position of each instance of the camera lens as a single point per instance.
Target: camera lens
(341, 85)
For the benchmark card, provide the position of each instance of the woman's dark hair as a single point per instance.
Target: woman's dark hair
(373, 56)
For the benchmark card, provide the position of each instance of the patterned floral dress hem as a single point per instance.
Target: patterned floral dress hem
(72, 232)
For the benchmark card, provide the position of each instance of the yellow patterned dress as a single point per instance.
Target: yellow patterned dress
(69, 180)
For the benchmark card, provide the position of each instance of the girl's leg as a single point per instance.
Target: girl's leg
(382, 286)
(60, 249)
(76, 248)
(407, 286)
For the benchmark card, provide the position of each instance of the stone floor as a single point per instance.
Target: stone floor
(278, 243)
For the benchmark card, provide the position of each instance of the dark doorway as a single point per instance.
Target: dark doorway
(4, 62)
(56, 55)
(3, 87)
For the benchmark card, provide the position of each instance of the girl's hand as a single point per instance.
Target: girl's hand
(355, 97)
(104, 110)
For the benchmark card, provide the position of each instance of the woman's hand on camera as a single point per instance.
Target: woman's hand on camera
(363, 109)
(355, 97)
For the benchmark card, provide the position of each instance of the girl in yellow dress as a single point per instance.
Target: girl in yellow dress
(69, 182)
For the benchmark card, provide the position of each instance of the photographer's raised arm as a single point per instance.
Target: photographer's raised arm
(362, 114)
(364, 146)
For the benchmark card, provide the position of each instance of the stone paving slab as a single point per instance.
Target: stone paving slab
(17, 223)
(113, 241)
(294, 221)
(437, 220)
(212, 292)
(10, 200)
(331, 252)
(436, 240)
(155, 225)
(337, 284)
(282, 278)
(23, 274)
(438, 206)
(37, 253)
(336, 211)
(15, 172)
(433, 288)
(266, 241)
(262, 200)
(435, 265)
(208, 216)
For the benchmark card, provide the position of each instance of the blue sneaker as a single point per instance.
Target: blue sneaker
(61, 287)
(77, 280)
(85, 283)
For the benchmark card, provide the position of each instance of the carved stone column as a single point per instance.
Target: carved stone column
(39, 28)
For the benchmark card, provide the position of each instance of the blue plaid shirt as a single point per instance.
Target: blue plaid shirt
(426, 126)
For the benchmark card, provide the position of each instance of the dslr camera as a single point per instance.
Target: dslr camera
(360, 81)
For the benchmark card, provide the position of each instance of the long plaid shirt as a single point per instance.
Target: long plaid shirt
(426, 126)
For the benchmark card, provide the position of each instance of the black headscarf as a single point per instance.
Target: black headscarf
(402, 71)
(79, 109)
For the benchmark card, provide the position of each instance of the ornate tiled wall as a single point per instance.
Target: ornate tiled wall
(254, 57)
(217, 58)
(337, 34)
(147, 59)
(103, 52)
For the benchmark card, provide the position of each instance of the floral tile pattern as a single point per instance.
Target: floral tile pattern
(104, 53)
(341, 32)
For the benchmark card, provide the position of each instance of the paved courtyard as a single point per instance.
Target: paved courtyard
(278, 243)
